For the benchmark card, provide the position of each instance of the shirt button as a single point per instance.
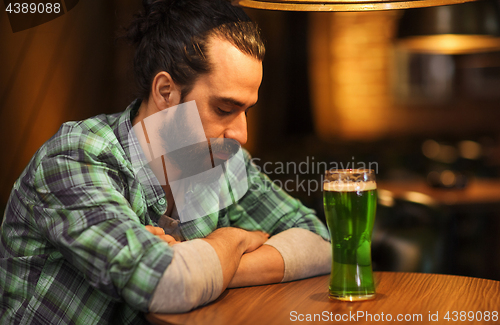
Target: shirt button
(162, 201)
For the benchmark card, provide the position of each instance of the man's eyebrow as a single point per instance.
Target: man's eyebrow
(232, 101)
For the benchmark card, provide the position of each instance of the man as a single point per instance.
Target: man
(80, 240)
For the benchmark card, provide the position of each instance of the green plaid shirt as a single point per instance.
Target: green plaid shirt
(73, 247)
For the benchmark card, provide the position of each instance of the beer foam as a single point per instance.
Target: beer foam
(349, 186)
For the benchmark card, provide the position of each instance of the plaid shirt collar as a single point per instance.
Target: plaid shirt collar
(154, 193)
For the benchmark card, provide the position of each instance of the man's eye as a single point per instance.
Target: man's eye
(223, 112)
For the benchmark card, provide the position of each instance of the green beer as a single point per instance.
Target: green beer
(350, 214)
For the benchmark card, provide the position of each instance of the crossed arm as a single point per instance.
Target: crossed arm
(233, 257)
(245, 261)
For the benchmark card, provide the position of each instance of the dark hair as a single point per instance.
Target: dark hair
(172, 36)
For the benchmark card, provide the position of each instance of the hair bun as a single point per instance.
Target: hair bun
(154, 7)
(147, 3)
(136, 29)
(154, 11)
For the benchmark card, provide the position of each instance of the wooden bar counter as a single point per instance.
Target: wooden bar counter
(412, 298)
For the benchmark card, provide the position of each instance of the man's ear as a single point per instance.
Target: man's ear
(165, 91)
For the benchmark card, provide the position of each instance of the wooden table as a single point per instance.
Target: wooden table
(410, 297)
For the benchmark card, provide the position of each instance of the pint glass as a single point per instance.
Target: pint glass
(350, 201)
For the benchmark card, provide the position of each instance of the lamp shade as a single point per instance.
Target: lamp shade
(342, 5)
(457, 29)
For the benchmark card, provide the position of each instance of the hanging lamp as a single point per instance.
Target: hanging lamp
(457, 29)
(342, 5)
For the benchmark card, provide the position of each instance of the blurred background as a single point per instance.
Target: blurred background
(338, 88)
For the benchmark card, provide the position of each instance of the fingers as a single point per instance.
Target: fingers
(169, 239)
(261, 233)
(155, 230)
(255, 239)
(160, 233)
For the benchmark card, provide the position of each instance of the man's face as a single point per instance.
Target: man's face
(222, 98)
(224, 95)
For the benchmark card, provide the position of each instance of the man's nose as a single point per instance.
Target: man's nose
(238, 129)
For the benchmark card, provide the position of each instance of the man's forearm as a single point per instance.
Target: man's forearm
(262, 266)
(202, 268)
(293, 254)
(193, 278)
(305, 253)
(230, 244)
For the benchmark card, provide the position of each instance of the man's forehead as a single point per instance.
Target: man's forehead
(234, 77)
(221, 51)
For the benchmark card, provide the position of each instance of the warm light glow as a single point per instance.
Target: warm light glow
(439, 152)
(450, 44)
(470, 149)
(447, 154)
(349, 66)
(448, 178)
(385, 198)
(430, 149)
(420, 198)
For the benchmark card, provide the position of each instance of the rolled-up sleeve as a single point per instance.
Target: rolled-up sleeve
(304, 253)
(193, 278)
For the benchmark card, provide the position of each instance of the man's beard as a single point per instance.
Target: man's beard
(193, 159)
(223, 149)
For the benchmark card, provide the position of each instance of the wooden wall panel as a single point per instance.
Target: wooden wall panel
(59, 71)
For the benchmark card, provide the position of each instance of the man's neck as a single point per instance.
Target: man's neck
(143, 112)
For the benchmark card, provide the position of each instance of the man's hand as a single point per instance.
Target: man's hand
(160, 233)
(261, 266)
(254, 239)
(304, 253)
(230, 244)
